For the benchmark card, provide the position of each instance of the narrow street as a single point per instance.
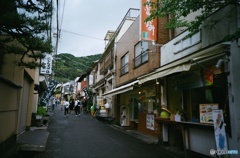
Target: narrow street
(86, 137)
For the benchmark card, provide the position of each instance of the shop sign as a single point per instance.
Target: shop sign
(150, 121)
(100, 100)
(205, 112)
(46, 65)
(148, 29)
(219, 131)
(188, 80)
(194, 79)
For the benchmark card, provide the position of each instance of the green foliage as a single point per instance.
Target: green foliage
(41, 110)
(68, 67)
(179, 10)
(25, 29)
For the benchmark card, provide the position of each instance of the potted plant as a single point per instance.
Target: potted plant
(40, 112)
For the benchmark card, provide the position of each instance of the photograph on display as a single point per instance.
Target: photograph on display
(205, 112)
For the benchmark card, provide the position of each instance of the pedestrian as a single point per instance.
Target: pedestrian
(81, 106)
(66, 107)
(92, 110)
(71, 106)
(62, 104)
(77, 107)
(107, 106)
(53, 103)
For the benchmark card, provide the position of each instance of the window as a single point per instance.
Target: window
(141, 53)
(124, 64)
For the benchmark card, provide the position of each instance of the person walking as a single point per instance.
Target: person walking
(81, 106)
(71, 106)
(62, 103)
(92, 110)
(53, 103)
(77, 107)
(66, 107)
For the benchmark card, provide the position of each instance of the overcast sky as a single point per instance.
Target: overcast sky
(84, 24)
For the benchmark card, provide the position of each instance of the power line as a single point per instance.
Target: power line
(62, 15)
(82, 35)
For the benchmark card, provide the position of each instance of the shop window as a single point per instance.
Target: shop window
(214, 94)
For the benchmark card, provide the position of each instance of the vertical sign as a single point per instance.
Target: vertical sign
(150, 121)
(148, 30)
(219, 131)
(46, 65)
(99, 101)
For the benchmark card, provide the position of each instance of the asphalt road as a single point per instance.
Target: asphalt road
(87, 137)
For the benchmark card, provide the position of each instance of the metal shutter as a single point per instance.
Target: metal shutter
(24, 106)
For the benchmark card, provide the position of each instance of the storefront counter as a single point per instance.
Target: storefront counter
(185, 131)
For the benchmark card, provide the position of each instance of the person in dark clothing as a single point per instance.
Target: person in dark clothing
(71, 106)
(66, 107)
(77, 107)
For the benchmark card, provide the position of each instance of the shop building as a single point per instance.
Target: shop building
(134, 57)
(200, 76)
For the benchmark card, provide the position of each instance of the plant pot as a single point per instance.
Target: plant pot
(38, 117)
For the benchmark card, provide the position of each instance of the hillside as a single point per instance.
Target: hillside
(68, 67)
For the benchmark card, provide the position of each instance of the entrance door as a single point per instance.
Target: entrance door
(134, 109)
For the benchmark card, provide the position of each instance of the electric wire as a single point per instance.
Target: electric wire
(62, 18)
(82, 35)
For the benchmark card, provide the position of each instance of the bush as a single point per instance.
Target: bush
(41, 111)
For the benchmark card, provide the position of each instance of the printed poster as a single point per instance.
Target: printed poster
(100, 101)
(150, 121)
(219, 130)
(205, 111)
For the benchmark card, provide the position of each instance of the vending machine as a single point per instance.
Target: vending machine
(124, 120)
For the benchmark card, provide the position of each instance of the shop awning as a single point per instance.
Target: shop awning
(121, 89)
(164, 72)
(183, 64)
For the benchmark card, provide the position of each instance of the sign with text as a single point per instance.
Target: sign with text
(148, 29)
(205, 112)
(219, 131)
(150, 121)
(46, 63)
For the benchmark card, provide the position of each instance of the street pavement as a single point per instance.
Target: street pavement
(87, 137)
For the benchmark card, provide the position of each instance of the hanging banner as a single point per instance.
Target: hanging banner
(148, 30)
(46, 63)
(219, 131)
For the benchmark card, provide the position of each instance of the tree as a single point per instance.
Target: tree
(180, 9)
(25, 29)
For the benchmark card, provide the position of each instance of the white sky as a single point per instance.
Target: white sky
(91, 18)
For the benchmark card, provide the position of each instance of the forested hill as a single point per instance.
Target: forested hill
(68, 67)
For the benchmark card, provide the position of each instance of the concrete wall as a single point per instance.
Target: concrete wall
(234, 96)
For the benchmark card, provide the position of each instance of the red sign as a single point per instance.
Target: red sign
(148, 29)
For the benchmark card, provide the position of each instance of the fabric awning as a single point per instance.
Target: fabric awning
(183, 64)
(121, 89)
(165, 71)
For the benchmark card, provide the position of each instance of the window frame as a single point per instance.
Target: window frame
(140, 56)
(124, 67)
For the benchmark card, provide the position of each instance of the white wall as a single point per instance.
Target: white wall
(180, 47)
(202, 141)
